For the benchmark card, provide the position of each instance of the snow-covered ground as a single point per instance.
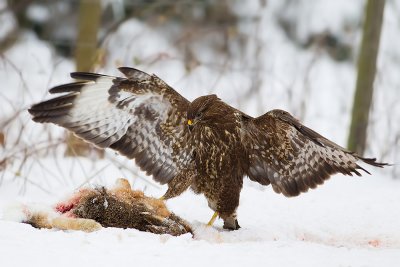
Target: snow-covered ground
(349, 221)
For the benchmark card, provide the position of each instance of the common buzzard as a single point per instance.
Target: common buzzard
(205, 144)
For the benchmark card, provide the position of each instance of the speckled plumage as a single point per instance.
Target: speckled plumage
(145, 119)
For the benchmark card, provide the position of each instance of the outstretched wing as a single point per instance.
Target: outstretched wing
(293, 158)
(140, 116)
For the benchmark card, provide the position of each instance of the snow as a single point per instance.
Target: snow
(321, 228)
(314, 16)
(7, 24)
(349, 221)
(38, 13)
(128, 247)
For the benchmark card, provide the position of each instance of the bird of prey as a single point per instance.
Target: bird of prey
(205, 144)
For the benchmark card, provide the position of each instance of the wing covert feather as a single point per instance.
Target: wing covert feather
(139, 116)
(293, 157)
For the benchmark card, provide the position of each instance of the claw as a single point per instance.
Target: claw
(213, 218)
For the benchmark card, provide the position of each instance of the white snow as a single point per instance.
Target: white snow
(349, 221)
(38, 13)
(7, 25)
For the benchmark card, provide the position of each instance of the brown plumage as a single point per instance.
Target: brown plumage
(205, 144)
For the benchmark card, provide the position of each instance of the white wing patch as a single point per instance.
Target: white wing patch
(140, 117)
(101, 123)
(94, 118)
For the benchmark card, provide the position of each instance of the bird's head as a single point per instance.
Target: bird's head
(201, 110)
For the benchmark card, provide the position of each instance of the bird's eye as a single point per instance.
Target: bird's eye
(199, 114)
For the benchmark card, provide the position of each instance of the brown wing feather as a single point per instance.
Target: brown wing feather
(294, 158)
(140, 116)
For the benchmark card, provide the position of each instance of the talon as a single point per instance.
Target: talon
(213, 218)
(231, 227)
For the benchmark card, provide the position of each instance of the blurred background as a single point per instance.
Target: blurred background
(298, 55)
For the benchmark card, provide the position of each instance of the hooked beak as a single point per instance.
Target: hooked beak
(190, 125)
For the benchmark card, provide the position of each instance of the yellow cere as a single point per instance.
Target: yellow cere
(190, 122)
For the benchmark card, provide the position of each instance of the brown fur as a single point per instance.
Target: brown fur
(90, 209)
(39, 220)
(44, 220)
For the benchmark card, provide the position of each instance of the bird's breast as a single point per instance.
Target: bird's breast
(217, 151)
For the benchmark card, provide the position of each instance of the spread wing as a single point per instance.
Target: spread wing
(139, 116)
(293, 158)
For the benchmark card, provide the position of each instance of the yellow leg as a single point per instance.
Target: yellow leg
(162, 198)
(213, 218)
